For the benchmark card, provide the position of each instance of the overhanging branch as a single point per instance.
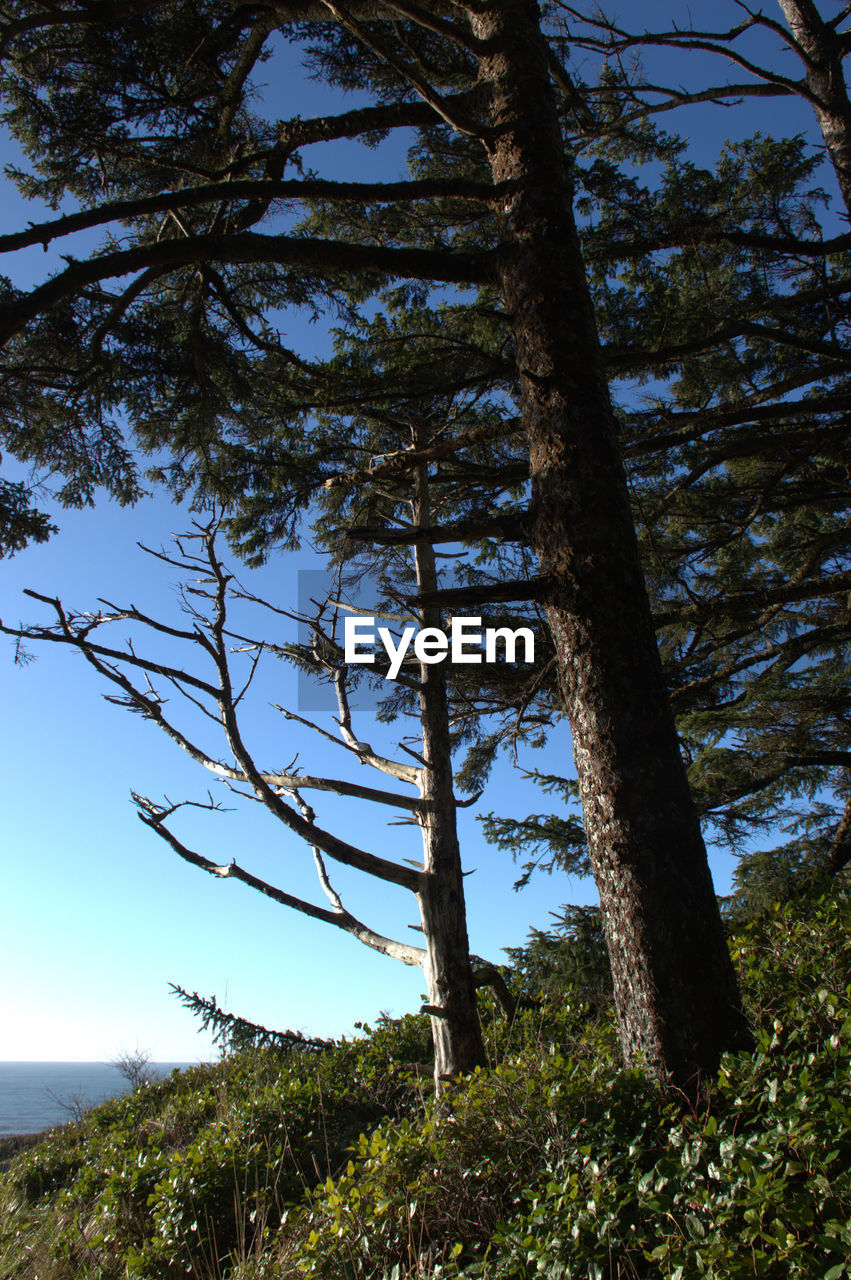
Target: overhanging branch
(312, 254)
(44, 233)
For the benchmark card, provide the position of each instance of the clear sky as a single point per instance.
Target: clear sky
(98, 915)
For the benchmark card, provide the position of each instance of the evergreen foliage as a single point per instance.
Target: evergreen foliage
(569, 957)
(20, 522)
(233, 1033)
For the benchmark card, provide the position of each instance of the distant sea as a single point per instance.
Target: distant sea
(38, 1095)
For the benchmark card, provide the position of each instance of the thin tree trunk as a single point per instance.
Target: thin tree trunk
(675, 987)
(822, 54)
(458, 1045)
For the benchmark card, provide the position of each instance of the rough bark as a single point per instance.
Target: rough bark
(675, 987)
(840, 851)
(823, 52)
(456, 1032)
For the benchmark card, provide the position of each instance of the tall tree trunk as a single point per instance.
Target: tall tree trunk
(823, 55)
(675, 987)
(456, 1031)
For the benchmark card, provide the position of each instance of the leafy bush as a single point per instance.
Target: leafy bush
(190, 1174)
(755, 1185)
(556, 1162)
(551, 1166)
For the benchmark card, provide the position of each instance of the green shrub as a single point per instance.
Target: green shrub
(551, 1166)
(186, 1176)
(758, 1183)
(555, 1162)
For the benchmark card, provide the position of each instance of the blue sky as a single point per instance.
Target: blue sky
(98, 914)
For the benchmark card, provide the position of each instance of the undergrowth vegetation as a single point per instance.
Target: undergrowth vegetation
(555, 1162)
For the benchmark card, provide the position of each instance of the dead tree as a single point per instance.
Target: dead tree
(427, 798)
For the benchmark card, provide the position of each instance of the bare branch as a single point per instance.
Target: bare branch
(388, 464)
(289, 782)
(265, 786)
(509, 527)
(155, 817)
(436, 24)
(64, 633)
(340, 850)
(618, 40)
(720, 417)
(696, 232)
(395, 768)
(783, 593)
(632, 358)
(490, 976)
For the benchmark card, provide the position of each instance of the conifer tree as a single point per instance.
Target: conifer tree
(751, 612)
(163, 98)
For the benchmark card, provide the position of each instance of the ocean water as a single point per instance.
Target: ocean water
(38, 1095)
